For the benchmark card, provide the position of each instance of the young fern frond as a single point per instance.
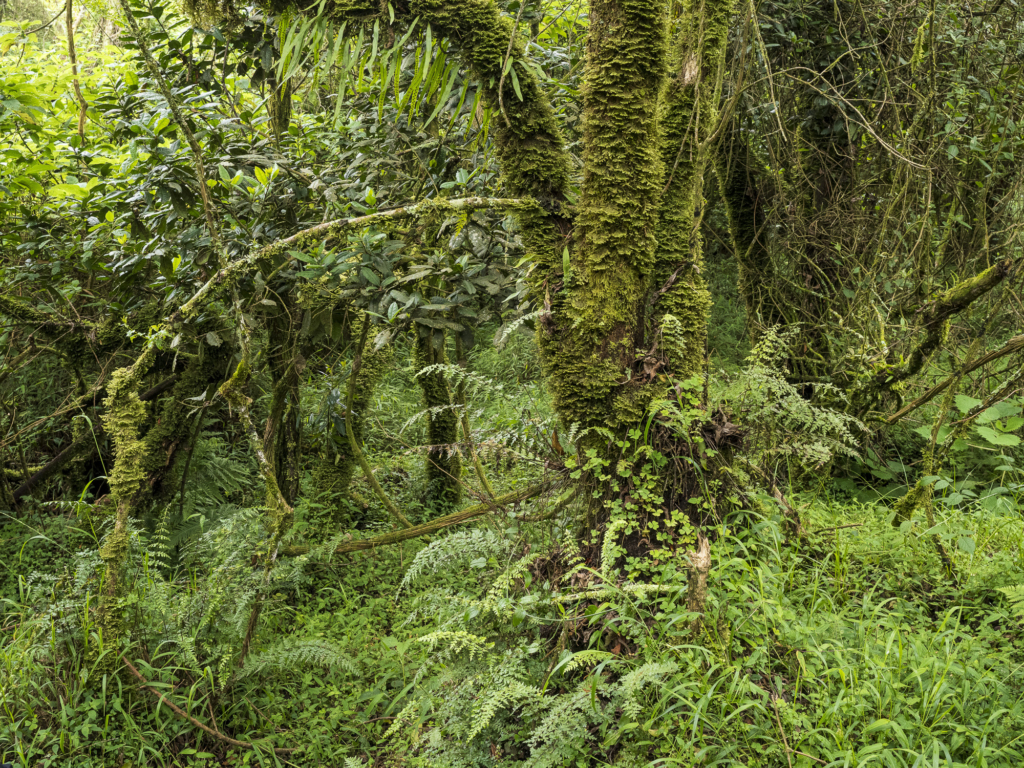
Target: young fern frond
(495, 699)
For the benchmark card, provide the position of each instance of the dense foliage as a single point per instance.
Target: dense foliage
(529, 383)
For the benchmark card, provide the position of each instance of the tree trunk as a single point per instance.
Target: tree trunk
(444, 463)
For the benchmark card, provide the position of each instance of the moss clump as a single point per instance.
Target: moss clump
(591, 338)
(123, 420)
(529, 144)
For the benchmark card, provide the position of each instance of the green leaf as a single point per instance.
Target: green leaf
(967, 545)
(988, 415)
(966, 403)
(998, 438)
(515, 83)
(68, 190)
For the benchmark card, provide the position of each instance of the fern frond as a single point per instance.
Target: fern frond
(1015, 595)
(292, 653)
(493, 700)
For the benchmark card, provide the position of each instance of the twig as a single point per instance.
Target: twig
(41, 27)
(837, 528)
(350, 431)
(74, 73)
(782, 731)
(202, 726)
(1013, 345)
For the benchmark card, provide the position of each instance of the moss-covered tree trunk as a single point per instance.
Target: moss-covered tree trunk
(443, 461)
(624, 308)
(282, 434)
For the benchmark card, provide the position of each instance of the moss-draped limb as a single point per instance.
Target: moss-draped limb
(47, 323)
(125, 414)
(689, 116)
(1016, 344)
(426, 529)
(443, 462)
(83, 443)
(279, 512)
(228, 276)
(935, 316)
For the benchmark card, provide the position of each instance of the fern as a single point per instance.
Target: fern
(782, 422)
(458, 548)
(586, 659)
(291, 653)
(494, 699)
(1015, 595)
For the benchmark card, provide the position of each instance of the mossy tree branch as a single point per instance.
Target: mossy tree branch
(426, 529)
(934, 317)
(1015, 344)
(229, 275)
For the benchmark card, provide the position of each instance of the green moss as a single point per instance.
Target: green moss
(590, 339)
(529, 145)
(688, 116)
(233, 390)
(123, 419)
(124, 416)
(915, 499)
